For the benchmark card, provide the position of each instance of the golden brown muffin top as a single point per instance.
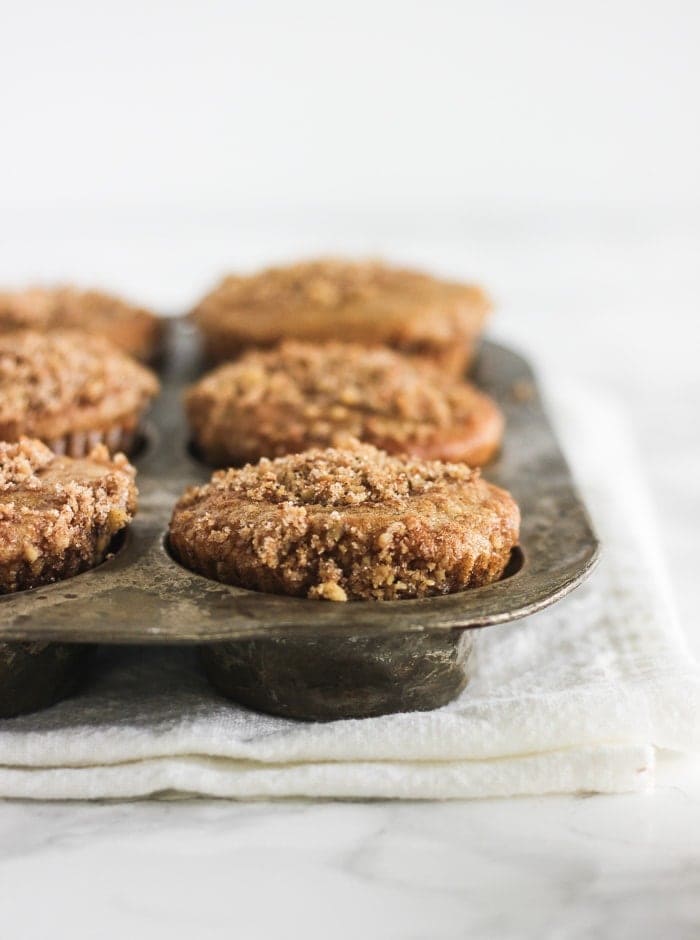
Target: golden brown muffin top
(347, 523)
(361, 301)
(66, 380)
(300, 395)
(132, 328)
(48, 503)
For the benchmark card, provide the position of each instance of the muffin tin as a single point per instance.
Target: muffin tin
(307, 658)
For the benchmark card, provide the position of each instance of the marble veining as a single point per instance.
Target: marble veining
(527, 868)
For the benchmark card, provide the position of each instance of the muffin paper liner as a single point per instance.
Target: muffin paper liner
(79, 443)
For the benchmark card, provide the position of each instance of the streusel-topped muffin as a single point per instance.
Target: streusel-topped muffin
(71, 390)
(301, 395)
(58, 515)
(133, 329)
(353, 301)
(58, 518)
(347, 523)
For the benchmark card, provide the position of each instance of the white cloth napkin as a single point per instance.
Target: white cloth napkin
(580, 697)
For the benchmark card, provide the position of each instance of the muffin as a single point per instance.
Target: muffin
(58, 517)
(360, 302)
(134, 330)
(274, 402)
(71, 390)
(350, 523)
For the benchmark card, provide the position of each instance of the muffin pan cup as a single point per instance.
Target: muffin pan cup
(308, 658)
(36, 675)
(324, 678)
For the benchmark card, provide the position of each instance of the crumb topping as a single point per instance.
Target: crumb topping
(327, 284)
(62, 307)
(349, 522)
(58, 515)
(353, 475)
(62, 381)
(301, 395)
(367, 302)
(132, 328)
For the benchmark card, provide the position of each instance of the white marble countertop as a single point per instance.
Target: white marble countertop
(611, 298)
(623, 867)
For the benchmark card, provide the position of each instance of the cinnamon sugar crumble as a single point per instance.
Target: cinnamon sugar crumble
(58, 515)
(325, 283)
(131, 328)
(359, 301)
(347, 523)
(66, 380)
(352, 476)
(302, 395)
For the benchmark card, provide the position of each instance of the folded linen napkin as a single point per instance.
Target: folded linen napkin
(577, 698)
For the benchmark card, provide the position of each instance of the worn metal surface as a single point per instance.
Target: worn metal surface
(35, 675)
(324, 678)
(143, 596)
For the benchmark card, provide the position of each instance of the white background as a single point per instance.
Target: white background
(215, 103)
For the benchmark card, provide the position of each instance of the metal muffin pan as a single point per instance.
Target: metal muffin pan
(308, 658)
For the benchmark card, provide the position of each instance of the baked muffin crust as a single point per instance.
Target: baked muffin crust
(362, 302)
(347, 523)
(65, 382)
(301, 395)
(58, 515)
(131, 328)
